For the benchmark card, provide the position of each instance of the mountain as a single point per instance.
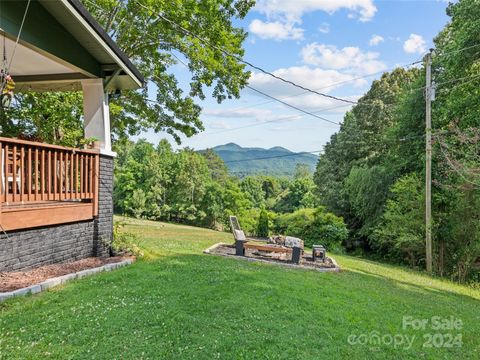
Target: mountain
(278, 160)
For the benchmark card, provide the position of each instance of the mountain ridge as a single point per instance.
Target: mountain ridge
(276, 161)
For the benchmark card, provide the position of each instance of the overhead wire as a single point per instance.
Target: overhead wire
(270, 121)
(274, 156)
(239, 59)
(19, 33)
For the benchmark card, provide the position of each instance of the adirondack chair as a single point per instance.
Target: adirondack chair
(238, 233)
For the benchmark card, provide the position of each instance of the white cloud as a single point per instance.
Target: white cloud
(324, 28)
(284, 16)
(363, 9)
(375, 40)
(312, 78)
(237, 113)
(275, 30)
(414, 44)
(216, 125)
(351, 59)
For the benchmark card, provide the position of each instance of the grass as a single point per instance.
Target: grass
(178, 303)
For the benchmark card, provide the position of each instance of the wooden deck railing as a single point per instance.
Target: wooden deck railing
(34, 172)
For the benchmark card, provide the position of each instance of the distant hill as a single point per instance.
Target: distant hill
(280, 161)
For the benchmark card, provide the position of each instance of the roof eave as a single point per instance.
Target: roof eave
(105, 40)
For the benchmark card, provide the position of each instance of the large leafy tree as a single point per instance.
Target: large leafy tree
(156, 35)
(372, 170)
(364, 141)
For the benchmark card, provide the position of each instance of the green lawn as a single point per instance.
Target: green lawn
(181, 304)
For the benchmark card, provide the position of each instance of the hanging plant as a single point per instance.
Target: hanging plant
(7, 85)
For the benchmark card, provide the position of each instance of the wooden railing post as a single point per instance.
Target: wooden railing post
(96, 184)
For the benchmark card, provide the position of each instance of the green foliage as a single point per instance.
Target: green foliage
(464, 244)
(137, 203)
(195, 188)
(401, 232)
(253, 188)
(302, 171)
(263, 229)
(125, 242)
(55, 118)
(314, 226)
(372, 170)
(366, 190)
(155, 45)
(298, 195)
(161, 184)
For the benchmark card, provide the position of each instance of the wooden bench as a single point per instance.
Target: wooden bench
(267, 248)
(241, 243)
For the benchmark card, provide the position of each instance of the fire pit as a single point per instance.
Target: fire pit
(274, 254)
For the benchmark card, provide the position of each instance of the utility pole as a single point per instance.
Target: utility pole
(428, 161)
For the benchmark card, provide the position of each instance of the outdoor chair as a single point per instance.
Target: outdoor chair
(9, 174)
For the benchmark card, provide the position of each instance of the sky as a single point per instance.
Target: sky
(325, 45)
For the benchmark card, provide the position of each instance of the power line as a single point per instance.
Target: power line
(239, 59)
(333, 84)
(274, 157)
(457, 51)
(270, 121)
(292, 106)
(411, 137)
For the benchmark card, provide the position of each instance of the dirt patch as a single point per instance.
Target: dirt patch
(10, 281)
(306, 260)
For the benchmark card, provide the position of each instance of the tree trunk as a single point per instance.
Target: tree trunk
(441, 257)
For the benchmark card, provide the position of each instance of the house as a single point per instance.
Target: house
(55, 202)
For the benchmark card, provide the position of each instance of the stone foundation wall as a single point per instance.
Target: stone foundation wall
(26, 249)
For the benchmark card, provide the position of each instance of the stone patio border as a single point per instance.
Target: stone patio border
(209, 251)
(52, 282)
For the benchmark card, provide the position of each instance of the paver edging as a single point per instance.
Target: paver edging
(52, 282)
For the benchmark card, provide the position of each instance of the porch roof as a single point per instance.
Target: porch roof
(60, 45)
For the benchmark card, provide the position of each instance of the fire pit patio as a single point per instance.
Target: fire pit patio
(273, 254)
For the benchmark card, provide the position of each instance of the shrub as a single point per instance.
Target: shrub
(262, 224)
(313, 226)
(125, 242)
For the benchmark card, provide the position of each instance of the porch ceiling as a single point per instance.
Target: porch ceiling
(60, 45)
(34, 70)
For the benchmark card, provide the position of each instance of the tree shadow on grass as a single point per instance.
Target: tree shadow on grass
(201, 306)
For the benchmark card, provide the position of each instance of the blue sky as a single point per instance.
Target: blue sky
(315, 43)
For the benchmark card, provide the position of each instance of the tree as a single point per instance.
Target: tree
(367, 190)
(401, 231)
(298, 195)
(364, 139)
(302, 171)
(262, 224)
(150, 33)
(137, 203)
(217, 166)
(253, 188)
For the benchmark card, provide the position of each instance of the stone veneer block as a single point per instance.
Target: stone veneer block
(30, 248)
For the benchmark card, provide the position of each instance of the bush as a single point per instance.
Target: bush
(125, 242)
(262, 224)
(313, 226)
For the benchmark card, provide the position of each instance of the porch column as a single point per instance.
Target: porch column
(97, 114)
